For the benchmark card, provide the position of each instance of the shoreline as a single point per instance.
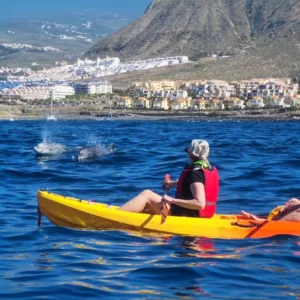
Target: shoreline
(94, 113)
(137, 117)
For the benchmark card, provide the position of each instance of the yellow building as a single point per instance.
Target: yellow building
(161, 103)
(181, 104)
(198, 104)
(125, 102)
(236, 103)
(142, 102)
(216, 104)
(161, 85)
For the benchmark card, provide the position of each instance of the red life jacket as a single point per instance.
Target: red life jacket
(211, 188)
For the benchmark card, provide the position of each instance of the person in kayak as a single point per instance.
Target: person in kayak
(290, 211)
(197, 188)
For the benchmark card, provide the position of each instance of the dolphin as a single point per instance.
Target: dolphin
(92, 152)
(46, 148)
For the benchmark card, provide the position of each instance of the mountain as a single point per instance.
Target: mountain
(72, 34)
(251, 38)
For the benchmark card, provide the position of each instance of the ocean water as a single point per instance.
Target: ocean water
(259, 169)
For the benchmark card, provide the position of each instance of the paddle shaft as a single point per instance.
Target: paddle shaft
(164, 207)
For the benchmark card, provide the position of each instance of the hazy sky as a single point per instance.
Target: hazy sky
(33, 8)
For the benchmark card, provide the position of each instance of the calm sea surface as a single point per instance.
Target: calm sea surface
(259, 167)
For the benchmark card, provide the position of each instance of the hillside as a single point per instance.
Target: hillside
(261, 37)
(72, 34)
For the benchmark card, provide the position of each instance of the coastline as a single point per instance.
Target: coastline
(19, 112)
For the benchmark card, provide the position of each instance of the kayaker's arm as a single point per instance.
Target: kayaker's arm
(197, 203)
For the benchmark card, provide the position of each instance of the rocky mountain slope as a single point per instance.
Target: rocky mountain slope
(262, 37)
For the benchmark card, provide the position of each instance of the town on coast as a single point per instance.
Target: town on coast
(83, 90)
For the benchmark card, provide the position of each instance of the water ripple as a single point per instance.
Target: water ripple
(258, 169)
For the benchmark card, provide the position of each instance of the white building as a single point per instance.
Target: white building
(94, 87)
(170, 94)
(256, 103)
(61, 91)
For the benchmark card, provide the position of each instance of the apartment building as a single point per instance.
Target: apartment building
(61, 91)
(94, 87)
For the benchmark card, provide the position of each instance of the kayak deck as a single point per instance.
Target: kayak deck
(76, 213)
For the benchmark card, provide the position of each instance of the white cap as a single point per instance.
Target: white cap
(199, 149)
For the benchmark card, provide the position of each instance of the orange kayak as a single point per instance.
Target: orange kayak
(77, 213)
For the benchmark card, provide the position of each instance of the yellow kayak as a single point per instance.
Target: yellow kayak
(77, 213)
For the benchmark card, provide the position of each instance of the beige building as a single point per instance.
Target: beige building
(170, 94)
(216, 104)
(191, 84)
(30, 93)
(256, 102)
(161, 85)
(292, 102)
(161, 103)
(198, 104)
(237, 103)
(125, 102)
(276, 102)
(142, 102)
(181, 104)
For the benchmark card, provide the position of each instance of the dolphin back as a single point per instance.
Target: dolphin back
(49, 148)
(92, 152)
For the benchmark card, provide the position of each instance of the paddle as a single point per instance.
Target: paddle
(164, 206)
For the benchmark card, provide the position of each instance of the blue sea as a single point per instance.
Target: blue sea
(259, 169)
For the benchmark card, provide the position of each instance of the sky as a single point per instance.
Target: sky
(33, 8)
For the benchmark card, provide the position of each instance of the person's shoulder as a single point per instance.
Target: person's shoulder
(198, 172)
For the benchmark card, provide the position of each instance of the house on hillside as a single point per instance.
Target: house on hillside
(181, 104)
(292, 102)
(161, 103)
(198, 104)
(142, 102)
(161, 85)
(170, 94)
(237, 103)
(125, 102)
(216, 104)
(277, 102)
(256, 102)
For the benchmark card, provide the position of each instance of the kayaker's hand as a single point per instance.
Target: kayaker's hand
(167, 184)
(251, 216)
(169, 199)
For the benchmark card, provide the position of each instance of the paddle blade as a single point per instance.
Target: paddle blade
(276, 211)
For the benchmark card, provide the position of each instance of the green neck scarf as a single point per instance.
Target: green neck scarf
(202, 164)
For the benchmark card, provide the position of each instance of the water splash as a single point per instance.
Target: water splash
(46, 136)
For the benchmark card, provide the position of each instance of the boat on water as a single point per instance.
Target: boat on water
(86, 214)
(51, 117)
(11, 119)
(110, 115)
